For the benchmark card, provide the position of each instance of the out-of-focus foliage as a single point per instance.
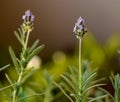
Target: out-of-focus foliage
(115, 79)
(103, 57)
(70, 84)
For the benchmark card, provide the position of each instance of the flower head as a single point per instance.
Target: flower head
(80, 28)
(28, 19)
(28, 16)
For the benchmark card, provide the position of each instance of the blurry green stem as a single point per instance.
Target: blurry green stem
(15, 98)
(27, 37)
(28, 33)
(80, 69)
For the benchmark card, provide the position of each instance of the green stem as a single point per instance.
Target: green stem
(27, 37)
(20, 77)
(15, 98)
(80, 69)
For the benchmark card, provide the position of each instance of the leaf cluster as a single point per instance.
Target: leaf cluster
(70, 88)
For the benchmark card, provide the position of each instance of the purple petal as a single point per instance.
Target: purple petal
(23, 17)
(28, 13)
(75, 27)
(80, 27)
(80, 19)
(32, 17)
(28, 16)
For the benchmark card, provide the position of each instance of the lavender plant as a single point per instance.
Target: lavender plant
(20, 64)
(78, 81)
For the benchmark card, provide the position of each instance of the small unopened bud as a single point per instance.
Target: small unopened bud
(80, 28)
(28, 19)
(28, 16)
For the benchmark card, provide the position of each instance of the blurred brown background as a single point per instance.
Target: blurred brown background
(55, 20)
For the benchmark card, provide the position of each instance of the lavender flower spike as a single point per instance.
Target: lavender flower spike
(80, 27)
(28, 16)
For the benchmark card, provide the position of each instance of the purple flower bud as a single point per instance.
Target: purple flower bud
(75, 27)
(80, 27)
(28, 16)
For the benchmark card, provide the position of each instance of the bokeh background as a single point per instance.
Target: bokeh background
(55, 20)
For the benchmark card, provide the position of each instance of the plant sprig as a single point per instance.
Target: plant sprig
(26, 55)
(78, 81)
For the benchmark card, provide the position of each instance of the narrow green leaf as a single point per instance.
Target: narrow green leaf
(35, 52)
(18, 37)
(4, 67)
(13, 57)
(7, 87)
(63, 91)
(69, 82)
(31, 96)
(97, 98)
(111, 79)
(10, 81)
(20, 64)
(106, 93)
(98, 80)
(67, 88)
(35, 44)
(93, 86)
(21, 34)
(73, 72)
(88, 80)
(112, 75)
